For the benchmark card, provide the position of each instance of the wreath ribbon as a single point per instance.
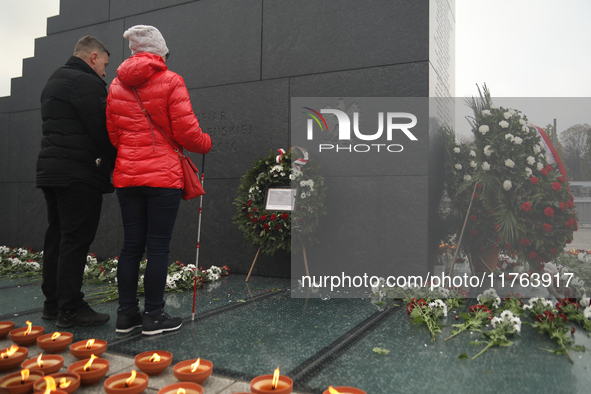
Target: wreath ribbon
(297, 164)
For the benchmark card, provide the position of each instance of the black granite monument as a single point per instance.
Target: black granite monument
(242, 62)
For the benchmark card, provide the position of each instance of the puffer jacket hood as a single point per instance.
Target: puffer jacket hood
(140, 68)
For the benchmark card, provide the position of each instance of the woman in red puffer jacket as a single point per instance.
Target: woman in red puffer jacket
(148, 174)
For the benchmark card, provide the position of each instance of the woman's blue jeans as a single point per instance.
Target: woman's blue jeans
(148, 215)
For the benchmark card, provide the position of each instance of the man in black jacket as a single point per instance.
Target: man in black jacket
(73, 169)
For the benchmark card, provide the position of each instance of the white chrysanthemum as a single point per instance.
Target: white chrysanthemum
(509, 136)
(504, 124)
(292, 177)
(443, 291)
(487, 150)
(303, 195)
(485, 112)
(457, 150)
(378, 288)
(525, 129)
(587, 313)
(467, 178)
(213, 276)
(473, 164)
(517, 140)
(507, 185)
(472, 153)
(516, 323)
(490, 293)
(522, 122)
(506, 314)
(537, 149)
(531, 160)
(483, 129)
(528, 171)
(546, 303)
(458, 166)
(539, 166)
(509, 163)
(507, 115)
(532, 301)
(439, 304)
(512, 112)
(584, 301)
(170, 283)
(485, 166)
(33, 265)
(507, 317)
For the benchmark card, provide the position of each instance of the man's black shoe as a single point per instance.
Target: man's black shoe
(128, 320)
(50, 312)
(158, 321)
(83, 317)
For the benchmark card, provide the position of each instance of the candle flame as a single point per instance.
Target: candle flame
(64, 383)
(55, 336)
(9, 352)
(130, 380)
(49, 384)
(181, 391)
(89, 343)
(275, 379)
(155, 358)
(195, 365)
(331, 390)
(24, 374)
(39, 361)
(28, 331)
(89, 363)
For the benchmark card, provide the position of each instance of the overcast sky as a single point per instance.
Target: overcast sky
(519, 48)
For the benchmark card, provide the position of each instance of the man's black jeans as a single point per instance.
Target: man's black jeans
(73, 213)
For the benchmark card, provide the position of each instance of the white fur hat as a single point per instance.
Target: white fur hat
(144, 38)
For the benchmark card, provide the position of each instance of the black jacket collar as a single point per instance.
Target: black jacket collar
(76, 62)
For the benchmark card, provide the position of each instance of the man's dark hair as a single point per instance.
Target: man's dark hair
(89, 44)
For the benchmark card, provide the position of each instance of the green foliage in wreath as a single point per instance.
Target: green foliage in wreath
(272, 230)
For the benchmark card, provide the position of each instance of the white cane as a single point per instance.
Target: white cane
(198, 237)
